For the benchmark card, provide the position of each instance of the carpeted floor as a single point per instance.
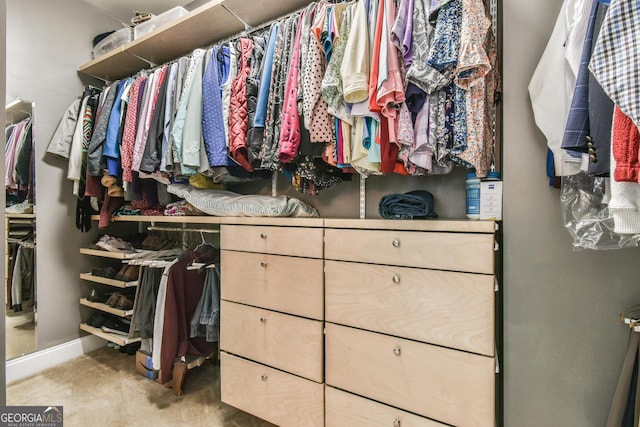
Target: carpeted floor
(103, 389)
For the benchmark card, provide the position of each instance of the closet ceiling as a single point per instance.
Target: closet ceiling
(123, 10)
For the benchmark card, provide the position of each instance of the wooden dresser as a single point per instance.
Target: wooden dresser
(410, 323)
(360, 322)
(272, 320)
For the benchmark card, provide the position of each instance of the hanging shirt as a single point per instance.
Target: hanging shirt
(551, 87)
(192, 143)
(130, 128)
(316, 118)
(94, 155)
(355, 67)
(238, 119)
(212, 124)
(111, 149)
(181, 113)
(74, 168)
(615, 57)
(169, 110)
(290, 133)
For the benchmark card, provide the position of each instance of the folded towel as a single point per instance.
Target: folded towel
(417, 204)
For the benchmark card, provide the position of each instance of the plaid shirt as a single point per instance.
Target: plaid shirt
(614, 62)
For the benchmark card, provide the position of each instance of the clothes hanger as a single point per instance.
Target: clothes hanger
(203, 243)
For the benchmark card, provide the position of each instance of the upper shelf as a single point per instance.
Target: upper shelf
(203, 26)
(18, 110)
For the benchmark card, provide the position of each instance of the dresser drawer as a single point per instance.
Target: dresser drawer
(293, 344)
(447, 385)
(468, 252)
(282, 283)
(295, 241)
(346, 409)
(275, 396)
(440, 307)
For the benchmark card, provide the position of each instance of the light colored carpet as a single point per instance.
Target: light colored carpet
(102, 388)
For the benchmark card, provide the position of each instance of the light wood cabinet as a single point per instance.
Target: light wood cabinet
(440, 307)
(346, 409)
(276, 396)
(281, 283)
(410, 323)
(286, 342)
(447, 385)
(272, 320)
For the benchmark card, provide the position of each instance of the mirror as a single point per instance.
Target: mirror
(20, 230)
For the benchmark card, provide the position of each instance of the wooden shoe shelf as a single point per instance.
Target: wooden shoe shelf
(120, 339)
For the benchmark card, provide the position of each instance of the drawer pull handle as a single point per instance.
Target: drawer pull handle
(396, 243)
(396, 279)
(396, 422)
(263, 377)
(263, 235)
(263, 319)
(263, 263)
(396, 351)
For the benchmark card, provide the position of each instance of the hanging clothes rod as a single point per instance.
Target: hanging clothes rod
(183, 229)
(25, 243)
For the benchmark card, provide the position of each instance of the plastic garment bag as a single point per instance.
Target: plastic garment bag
(586, 214)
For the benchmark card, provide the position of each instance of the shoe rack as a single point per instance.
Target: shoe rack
(110, 285)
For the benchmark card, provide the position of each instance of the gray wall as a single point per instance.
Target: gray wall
(564, 343)
(46, 42)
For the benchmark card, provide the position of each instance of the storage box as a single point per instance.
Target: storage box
(157, 21)
(144, 365)
(112, 41)
(491, 200)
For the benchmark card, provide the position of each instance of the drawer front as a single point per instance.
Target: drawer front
(440, 307)
(449, 386)
(280, 398)
(294, 241)
(289, 284)
(346, 409)
(293, 344)
(467, 252)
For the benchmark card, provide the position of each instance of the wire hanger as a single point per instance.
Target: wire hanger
(203, 243)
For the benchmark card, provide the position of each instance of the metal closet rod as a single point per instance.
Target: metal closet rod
(185, 229)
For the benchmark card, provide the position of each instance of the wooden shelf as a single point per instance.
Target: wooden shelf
(107, 254)
(114, 338)
(20, 216)
(203, 26)
(18, 110)
(106, 281)
(105, 308)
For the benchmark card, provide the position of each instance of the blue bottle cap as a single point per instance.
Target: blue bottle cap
(493, 175)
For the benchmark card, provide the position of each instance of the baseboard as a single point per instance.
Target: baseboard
(33, 363)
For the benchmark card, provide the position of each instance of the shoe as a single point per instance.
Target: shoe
(97, 295)
(96, 320)
(124, 303)
(133, 348)
(108, 272)
(131, 274)
(121, 272)
(112, 301)
(116, 324)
